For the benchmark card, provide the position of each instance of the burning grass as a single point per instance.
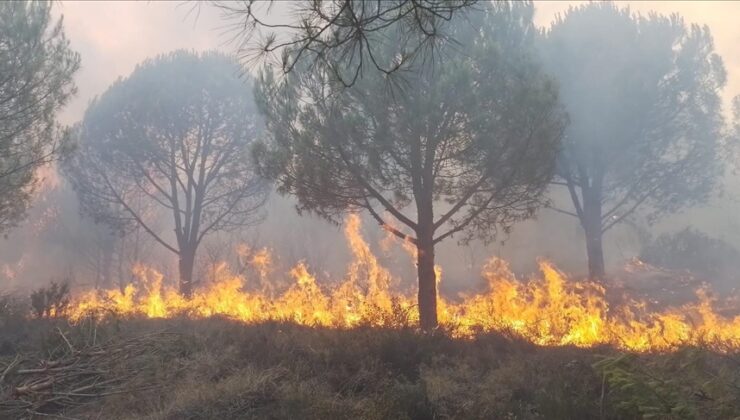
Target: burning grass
(547, 310)
(184, 368)
(548, 348)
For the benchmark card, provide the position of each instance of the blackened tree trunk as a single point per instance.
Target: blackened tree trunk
(186, 264)
(594, 252)
(427, 286)
(427, 297)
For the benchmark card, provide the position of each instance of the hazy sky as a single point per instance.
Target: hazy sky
(113, 37)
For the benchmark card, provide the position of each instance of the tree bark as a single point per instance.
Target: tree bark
(427, 286)
(186, 264)
(595, 254)
(427, 297)
(594, 237)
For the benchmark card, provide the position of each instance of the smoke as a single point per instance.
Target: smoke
(56, 243)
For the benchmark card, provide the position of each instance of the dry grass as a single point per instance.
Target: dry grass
(216, 368)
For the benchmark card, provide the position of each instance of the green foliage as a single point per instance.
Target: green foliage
(477, 132)
(37, 67)
(172, 137)
(641, 394)
(171, 140)
(50, 301)
(643, 97)
(690, 384)
(335, 31)
(467, 148)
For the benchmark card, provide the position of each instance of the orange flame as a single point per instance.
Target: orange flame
(550, 310)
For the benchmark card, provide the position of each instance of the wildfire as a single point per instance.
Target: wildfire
(551, 310)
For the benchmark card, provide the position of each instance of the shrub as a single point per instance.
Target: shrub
(694, 251)
(51, 301)
(11, 307)
(216, 368)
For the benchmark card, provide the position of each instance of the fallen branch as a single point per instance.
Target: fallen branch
(16, 361)
(76, 375)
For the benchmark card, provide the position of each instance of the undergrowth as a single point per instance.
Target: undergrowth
(219, 369)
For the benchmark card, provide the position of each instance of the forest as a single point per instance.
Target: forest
(408, 209)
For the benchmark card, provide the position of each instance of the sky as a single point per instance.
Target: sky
(112, 37)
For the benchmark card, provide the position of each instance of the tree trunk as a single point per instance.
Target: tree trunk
(186, 264)
(592, 230)
(427, 286)
(595, 254)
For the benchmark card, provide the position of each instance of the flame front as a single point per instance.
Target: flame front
(550, 310)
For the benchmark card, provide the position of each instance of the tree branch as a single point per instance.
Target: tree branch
(386, 226)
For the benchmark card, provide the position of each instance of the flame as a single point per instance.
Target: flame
(550, 310)
(261, 260)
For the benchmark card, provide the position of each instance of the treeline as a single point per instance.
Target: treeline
(439, 120)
